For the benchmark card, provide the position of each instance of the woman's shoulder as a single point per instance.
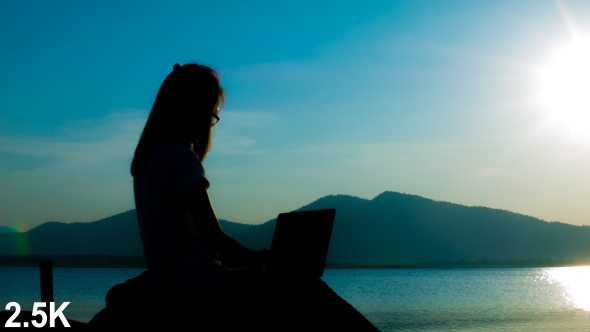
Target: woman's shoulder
(177, 158)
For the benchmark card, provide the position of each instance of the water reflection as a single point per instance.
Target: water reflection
(575, 283)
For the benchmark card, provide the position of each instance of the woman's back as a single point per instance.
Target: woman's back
(174, 248)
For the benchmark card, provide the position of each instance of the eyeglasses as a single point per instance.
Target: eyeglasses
(214, 119)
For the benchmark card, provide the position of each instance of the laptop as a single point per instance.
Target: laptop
(300, 243)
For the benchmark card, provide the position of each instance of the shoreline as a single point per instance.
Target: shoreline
(113, 261)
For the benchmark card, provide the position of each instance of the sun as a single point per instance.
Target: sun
(565, 86)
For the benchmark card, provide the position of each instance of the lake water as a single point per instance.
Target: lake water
(518, 299)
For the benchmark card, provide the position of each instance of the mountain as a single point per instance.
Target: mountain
(393, 229)
(115, 235)
(401, 229)
(4, 229)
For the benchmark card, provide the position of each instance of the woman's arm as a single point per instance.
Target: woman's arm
(197, 202)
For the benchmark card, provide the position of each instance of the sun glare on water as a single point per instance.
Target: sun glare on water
(575, 282)
(565, 87)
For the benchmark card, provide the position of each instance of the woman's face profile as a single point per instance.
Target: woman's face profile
(204, 130)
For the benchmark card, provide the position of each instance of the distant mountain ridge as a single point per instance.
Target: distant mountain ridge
(5, 229)
(402, 229)
(393, 229)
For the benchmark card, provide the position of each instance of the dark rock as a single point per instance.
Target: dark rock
(267, 304)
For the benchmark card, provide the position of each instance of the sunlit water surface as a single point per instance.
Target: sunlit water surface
(519, 299)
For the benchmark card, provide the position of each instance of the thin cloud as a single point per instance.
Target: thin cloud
(81, 173)
(237, 134)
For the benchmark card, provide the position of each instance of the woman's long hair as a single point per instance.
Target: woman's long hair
(182, 113)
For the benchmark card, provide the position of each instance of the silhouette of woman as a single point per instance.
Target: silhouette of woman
(188, 254)
(184, 245)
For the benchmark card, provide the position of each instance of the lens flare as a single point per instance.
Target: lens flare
(23, 241)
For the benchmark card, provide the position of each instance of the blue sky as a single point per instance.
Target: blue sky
(435, 98)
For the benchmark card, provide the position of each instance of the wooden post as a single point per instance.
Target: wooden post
(46, 270)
